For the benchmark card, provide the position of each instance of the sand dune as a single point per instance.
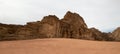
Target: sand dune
(59, 46)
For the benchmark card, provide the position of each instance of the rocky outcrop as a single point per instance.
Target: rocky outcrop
(116, 34)
(77, 26)
(49, 26)
(101, 36)
(71, 26)
(7, 32)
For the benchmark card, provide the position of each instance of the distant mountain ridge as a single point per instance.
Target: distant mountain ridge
(71, 26)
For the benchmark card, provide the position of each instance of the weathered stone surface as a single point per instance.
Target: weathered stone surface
(116, 34)
(3, 30)
(96, 33)
(78, 28)
(7, 32)
(74, 19)
(102, 36)
(71, 26)
(49, 26)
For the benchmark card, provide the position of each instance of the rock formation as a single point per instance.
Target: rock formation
(77, 26)
(71, 26)
(116, 34)
(101, 36)
(7, 32)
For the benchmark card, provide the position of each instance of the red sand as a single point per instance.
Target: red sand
(59, 46)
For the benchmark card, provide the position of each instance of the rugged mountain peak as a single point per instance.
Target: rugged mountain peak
(74, 19)
(71, 15)
(94, 29)
(51, 19)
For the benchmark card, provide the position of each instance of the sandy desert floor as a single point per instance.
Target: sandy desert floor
(59, 46)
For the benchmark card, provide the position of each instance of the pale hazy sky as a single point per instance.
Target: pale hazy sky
(102, 14)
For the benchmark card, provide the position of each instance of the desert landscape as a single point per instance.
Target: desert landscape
(52, 35)
(59, 46)
(59, 26)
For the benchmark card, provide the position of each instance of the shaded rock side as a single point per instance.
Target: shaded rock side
(78, 28)
(101, 36)
(49, 26)
(116, 34)
(7, 32)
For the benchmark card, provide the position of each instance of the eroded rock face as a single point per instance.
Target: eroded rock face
(71, 26)
(96, 34)
(49, 26)
(7, 32)
(116, 34)
(77, 26)
(74, 19)
(3, 30)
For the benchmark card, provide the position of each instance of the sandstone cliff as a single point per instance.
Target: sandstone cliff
(116, 34)
(77, 26)
(7, 32)
(101, 36)
(71, 26)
